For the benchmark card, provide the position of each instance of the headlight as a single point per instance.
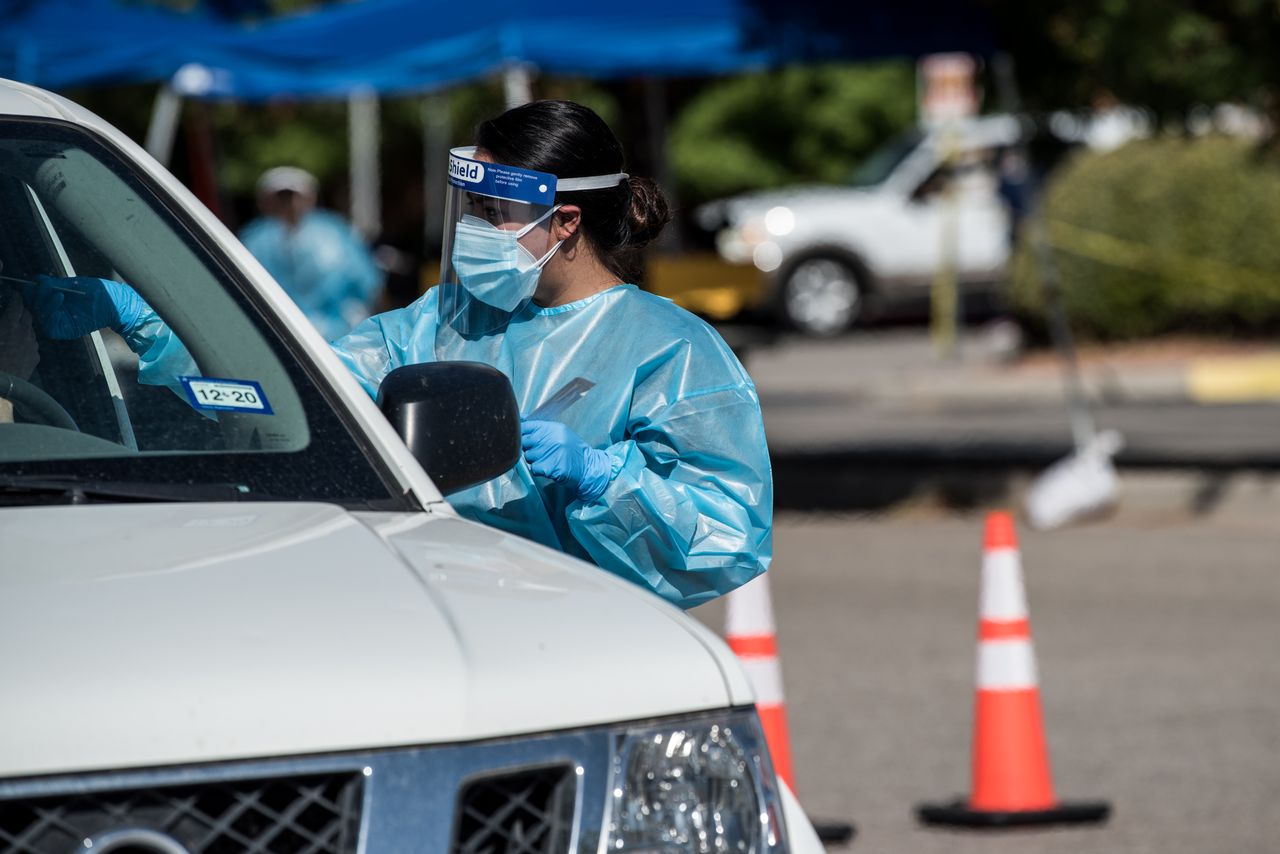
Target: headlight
(703, 786)
(780, 221)
(738, 240)
(732, 247)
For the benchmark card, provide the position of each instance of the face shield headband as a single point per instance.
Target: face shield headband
(495, 241)
(519, 184)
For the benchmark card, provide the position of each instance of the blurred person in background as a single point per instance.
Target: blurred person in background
(318, 258)
(1016, 186)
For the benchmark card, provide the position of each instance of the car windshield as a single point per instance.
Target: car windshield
(243, 420)
(880, 165)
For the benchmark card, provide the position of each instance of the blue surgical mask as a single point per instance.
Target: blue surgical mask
(492, 266)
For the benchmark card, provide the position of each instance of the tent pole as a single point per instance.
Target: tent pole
(437, 127)
(165, 112)
(201, 158)
(517, 84)
(655, 109)
(362, 126)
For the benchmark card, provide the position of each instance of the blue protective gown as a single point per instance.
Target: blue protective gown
(322, 264)
(688, 512)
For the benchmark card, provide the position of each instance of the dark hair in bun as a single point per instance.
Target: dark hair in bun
(571, 141)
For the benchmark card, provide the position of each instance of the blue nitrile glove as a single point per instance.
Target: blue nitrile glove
(556, 452)
(66, 308)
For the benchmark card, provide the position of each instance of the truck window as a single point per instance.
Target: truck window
(235, 404)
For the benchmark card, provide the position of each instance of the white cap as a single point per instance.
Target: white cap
(289, 178)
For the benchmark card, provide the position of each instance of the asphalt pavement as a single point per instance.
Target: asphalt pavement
(886, 394)
(1155, 638)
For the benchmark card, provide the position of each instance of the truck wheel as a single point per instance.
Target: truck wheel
(821, 296)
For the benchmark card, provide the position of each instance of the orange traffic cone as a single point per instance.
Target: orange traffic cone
(1011, 780)
(750, 631)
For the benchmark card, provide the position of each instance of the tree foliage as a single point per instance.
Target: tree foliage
(812, 123)
(1166, 55)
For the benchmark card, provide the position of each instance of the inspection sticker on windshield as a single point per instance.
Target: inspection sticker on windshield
(219, 394)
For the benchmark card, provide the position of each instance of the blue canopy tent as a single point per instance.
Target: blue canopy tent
(365, 48)
(387, 46)
(405, 45)
(347, 50)
(62, 43)
(401, 46)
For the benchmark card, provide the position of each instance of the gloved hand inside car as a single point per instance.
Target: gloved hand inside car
(69, 307)
(556, 452)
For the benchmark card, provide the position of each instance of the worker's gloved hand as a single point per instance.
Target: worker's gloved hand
(556, 452)
(66, 308)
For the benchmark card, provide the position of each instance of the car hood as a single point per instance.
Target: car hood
(142, 635)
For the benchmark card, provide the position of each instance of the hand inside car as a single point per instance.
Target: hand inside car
(69, 307)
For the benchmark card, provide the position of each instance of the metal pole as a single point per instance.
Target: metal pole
(366, 199)
(517, 84)
(1082, 426)
(166, 110)
(945, 294)
(437, 127)
(655, 108)
(1083, 429)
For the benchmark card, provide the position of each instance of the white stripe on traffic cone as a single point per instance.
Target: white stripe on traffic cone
(751, 634)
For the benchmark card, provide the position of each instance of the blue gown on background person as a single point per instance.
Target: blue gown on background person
(688, 512)
(322, 264)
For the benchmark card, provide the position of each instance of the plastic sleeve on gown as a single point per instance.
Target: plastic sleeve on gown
(689, 511)
(162, 358)
(386, 341)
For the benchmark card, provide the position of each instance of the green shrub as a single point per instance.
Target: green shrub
(1161, 235)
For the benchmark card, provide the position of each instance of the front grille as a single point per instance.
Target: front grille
(526, 812)
(317, 814)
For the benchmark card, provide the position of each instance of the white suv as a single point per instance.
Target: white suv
(831, 252)
(249, 621)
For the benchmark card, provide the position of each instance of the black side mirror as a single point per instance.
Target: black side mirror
(459, 419)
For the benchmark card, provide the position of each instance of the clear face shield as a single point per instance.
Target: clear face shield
(497, 238)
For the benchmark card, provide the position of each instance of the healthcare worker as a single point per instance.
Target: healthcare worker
(314, 254)
(644, 448)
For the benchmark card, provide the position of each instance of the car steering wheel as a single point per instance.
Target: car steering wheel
(35, 402)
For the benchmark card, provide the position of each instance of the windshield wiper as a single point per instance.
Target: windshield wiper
(17, 489)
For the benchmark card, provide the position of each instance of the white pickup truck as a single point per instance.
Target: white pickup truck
(830, 254)
(245, 619)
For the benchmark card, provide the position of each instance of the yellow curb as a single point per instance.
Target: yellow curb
(1238, 380)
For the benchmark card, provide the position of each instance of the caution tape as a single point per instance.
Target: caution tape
(1208, 381)
(1119, 252)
